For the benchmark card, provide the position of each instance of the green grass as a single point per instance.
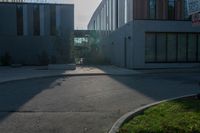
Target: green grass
(178, 116)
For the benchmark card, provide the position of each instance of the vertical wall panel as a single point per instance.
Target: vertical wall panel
(25, 13)
(58, 18)
(42, 20)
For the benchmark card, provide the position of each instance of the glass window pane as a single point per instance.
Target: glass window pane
(161, 47)
(182, 42)
(199, 47)
(192, 40)
(152, 9)
(19, 10)
(150, 47)
(171, 47)
(53, 20)
(171, 9)
(36, 20)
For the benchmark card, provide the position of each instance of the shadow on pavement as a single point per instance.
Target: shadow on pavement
(15, 94)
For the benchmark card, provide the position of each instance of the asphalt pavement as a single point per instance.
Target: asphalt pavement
(84, 104)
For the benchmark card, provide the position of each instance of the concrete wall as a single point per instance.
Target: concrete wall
(142, 26)
(8, 20)
(134, 32)
(26, 49)
(114, 46)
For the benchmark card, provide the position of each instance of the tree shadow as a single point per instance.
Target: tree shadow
(14, 94)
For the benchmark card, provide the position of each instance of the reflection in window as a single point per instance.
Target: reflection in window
(161, 47)
(152, 9)
(150, 47)
(186, 16)
(36, 20)
(182, 42)
(192, 40)
(171, 9)
(19, 13)
(171, 47)
(198, 47)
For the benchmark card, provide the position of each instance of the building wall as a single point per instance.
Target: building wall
(125, 45)
(8, 20)
(111, 14)
(26, 48)
(114, 45)
(140, 27)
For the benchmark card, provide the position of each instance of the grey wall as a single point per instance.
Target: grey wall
(113, 45)
(26, 49)
(142, 26)
(134, 32)
(8, 20)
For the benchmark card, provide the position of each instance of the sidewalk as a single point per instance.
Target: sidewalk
(10, 74)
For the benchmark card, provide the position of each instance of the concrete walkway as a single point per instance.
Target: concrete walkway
(10, 74)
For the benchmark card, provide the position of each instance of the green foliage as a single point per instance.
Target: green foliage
(5, 60)
(179, 116)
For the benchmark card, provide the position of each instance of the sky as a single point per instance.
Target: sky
(83, 12)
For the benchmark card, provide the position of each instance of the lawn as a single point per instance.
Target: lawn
(178, 116)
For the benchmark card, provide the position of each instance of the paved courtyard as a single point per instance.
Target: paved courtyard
(84, 104)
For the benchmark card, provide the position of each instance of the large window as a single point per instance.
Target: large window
(160, 9)
(19, 14)
(150, 49)
(182, 45)
(198, 45)
(52, 20)
(36, 20)
(161, 47)
(192, 46)
(152, 9)
(172, 47)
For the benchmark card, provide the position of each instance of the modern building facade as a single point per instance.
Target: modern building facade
(147, 33)
(30, 32)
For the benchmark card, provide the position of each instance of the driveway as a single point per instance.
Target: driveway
(84, 104)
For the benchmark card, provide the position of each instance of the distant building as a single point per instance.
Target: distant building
(29, 31)
(147, 33)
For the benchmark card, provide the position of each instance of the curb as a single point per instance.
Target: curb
(128, 116)
(62, 76)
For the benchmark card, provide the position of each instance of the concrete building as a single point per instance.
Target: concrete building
(33, 33)
(147, 33)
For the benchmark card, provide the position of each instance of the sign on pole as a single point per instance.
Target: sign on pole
(193, 6)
